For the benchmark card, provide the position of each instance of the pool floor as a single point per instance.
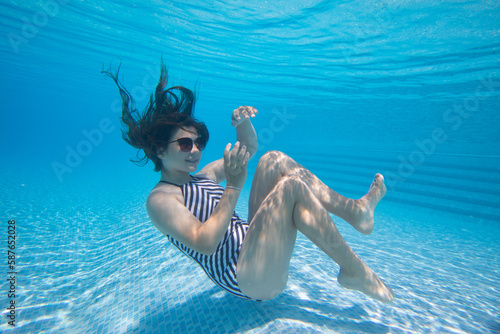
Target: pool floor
(93, 263)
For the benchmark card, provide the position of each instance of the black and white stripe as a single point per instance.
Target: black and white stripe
(201, 196)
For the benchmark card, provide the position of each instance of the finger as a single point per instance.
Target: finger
(241, 155)
(233, 155)
(254, 112)
(245, 160)
(226, 153)
(251, 111)
(236, 148)
(235, 119)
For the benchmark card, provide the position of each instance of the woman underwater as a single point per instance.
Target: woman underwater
(248, 259)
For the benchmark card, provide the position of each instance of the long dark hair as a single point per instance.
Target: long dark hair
(168, 110)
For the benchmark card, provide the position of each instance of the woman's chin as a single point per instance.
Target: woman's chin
(192, 167)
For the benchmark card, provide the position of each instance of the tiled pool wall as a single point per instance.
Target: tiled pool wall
(463, 184)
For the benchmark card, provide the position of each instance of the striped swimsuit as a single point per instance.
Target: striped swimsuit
(201, 196)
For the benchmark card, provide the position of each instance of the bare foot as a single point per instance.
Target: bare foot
(368, 283)
(366, 204)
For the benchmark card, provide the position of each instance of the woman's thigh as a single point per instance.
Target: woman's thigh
(263, 263)
(272, 167)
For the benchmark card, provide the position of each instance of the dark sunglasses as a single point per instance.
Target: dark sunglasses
(186, 144)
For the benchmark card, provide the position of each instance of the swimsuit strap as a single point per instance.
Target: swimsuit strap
(174, 184)
(193, 178)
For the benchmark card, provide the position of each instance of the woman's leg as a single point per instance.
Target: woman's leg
(262, 269)
(274, 165)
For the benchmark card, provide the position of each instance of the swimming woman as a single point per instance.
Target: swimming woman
(248, 259)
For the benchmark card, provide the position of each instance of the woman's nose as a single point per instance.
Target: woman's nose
(195, 149)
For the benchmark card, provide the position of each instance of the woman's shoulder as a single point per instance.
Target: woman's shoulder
(161, 193)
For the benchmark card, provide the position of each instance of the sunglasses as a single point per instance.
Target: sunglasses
(186, 144)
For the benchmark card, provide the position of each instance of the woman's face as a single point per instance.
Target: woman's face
(176, 160)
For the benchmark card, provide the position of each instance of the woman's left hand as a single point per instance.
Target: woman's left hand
(241, 114)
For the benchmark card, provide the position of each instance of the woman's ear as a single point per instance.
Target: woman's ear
(161, 153)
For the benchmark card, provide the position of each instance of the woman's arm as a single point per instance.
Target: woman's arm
(171, 217)
(245, 134)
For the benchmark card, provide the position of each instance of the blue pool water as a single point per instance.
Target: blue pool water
(347, 88)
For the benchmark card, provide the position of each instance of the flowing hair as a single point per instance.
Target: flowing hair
(167, 110)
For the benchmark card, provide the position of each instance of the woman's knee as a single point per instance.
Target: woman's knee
(293, 184)
(274, 159)
(266, 289)
(271, 157)
(265, 292)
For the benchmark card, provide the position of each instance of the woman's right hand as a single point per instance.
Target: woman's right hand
(235, 165)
